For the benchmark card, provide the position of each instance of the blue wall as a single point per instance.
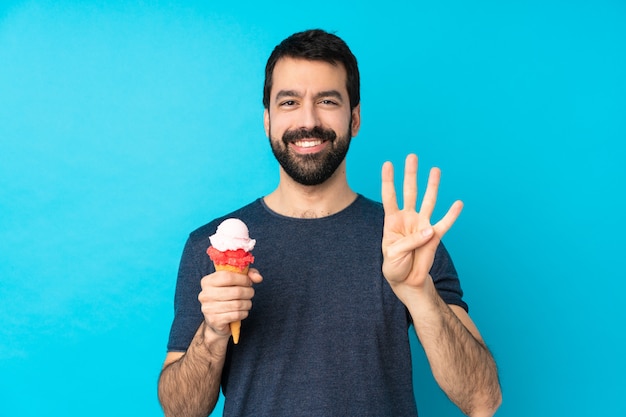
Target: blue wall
(124, 125)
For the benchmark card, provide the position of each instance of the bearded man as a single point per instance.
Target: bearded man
(338, 280)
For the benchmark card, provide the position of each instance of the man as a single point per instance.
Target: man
(325, 327)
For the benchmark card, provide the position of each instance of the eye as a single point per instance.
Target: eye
(328, 102)
(288, 103)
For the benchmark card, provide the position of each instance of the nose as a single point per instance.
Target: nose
(309, 117)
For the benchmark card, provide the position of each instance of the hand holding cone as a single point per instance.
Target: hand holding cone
(235, 327)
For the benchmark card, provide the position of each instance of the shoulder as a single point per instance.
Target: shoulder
(367, 208)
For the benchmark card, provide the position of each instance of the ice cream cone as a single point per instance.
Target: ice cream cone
(235, 327)
(230, 251)
(231, 268)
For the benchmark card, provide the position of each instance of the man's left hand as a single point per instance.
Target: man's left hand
(409, 239)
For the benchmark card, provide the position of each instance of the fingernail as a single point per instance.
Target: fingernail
(427, 232)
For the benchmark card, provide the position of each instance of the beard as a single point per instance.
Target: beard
(315, 168)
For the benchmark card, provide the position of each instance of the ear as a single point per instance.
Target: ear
(266, 122)
(356, 120)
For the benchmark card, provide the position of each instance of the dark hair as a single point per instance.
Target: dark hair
(315, 45)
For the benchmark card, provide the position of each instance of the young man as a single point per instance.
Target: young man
(325, 328)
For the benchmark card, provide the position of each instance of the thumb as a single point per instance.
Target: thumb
(254, 275)
(411, 242)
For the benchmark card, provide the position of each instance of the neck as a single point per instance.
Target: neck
(293, 199)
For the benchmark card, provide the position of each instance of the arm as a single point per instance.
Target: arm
(459, 359)
(189, 383)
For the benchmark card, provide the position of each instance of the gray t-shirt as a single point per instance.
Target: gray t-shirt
(326, 336)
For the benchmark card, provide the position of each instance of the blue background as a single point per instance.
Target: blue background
(125, 125)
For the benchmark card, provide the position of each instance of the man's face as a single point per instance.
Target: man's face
(309, 122)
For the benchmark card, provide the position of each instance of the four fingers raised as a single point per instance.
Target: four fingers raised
(410, 194)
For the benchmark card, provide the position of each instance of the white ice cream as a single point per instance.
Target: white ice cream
(232, 234)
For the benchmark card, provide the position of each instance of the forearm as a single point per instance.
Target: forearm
(461, 363)
(190, 386)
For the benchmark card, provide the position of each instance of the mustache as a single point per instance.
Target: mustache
(316, 132)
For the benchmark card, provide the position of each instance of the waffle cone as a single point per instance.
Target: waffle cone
(235, 327)
(232, 268)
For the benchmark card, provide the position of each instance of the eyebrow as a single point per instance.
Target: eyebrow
(292, 93)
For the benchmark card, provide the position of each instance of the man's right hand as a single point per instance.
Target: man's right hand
(226, 297)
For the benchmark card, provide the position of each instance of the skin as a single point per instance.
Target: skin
(306, 94)
(461, 363)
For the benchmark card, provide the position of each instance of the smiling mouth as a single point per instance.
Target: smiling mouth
(309, 143)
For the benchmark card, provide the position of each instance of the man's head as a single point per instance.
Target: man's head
(311, 99)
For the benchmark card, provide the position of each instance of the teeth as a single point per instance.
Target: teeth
(307, 143)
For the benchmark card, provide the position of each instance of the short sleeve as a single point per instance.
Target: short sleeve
(187, 313)
(446, 278)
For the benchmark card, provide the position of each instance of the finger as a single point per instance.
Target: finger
(443, 225)
(409, 243)
(430, 196)
(388, 190)
(219, 322)
(410, 182)
(222, 294)
(226, 279)
(226, 307)
(254, 275)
